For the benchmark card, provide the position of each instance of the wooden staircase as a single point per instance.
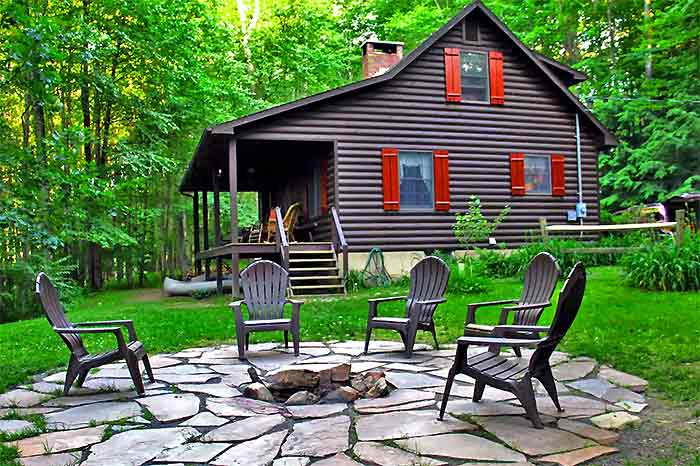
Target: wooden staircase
(314, 271)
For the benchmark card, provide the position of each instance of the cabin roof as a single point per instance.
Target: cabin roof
(560, 75)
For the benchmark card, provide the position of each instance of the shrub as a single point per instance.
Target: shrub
(665, 266)
(473, 227)
(466, 280)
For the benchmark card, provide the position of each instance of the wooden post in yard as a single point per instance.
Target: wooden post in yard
(233, 191)
(680, 226)
(543, 230)
(205, 233)
(195, 224)
(217, 232)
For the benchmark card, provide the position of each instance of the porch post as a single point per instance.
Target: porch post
(205, 232)
(195, 224)
(217, 232)
(233, 190)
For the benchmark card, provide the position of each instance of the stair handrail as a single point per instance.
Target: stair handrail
(339, 239)
(281, 238)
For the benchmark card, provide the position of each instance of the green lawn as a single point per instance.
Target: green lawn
(651, 334)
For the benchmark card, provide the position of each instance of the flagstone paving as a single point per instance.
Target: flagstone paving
(195, 413)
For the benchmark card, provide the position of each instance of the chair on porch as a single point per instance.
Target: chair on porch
(428, 284)
(540, 281)
(510, 374)
(291, 217)
(81, 361)
(265, 286)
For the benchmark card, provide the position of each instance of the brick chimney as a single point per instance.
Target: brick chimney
(380, 56)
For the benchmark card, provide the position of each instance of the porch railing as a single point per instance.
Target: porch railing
(339, 242)
(281, 239)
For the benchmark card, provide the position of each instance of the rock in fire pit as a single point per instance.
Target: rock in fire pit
(311, 383)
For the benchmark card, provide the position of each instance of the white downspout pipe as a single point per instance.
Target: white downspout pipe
(578, 164)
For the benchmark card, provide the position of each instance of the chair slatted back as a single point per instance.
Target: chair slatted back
(428, 281)
(570, 298)
(56, 315)
(265, 289)
(540, 281)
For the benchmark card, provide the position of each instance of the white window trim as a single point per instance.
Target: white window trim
(488, 78)
(429, 154)
(549, 164)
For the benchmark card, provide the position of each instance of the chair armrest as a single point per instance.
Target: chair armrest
(236, 304)
(498, 341)
(390, 298)
(94, 330)
(431, 301)
(523, 328)
(129, 324)
(471, 308)
(296, 309)
(237, 312)
(373, 303)
(294, 301)
(525, 307)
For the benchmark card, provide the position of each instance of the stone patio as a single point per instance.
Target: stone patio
(195, 414)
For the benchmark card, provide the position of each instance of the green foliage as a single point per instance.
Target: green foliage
(665, 265)
(466, 280)
(473, 226)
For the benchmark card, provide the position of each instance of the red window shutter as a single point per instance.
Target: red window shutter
(517, 174)
(323, 181)
(453, 75)
(558, 177)
(496, 78)
(442, 180)
(390, 177)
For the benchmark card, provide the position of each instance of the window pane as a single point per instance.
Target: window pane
(416, 179)
(474, 76)
(538, 177)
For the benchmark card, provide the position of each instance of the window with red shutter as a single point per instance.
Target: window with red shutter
(390, 178)
(442, 180)
(496, 78)
(517, 174)
(558, 176)
(453, 85)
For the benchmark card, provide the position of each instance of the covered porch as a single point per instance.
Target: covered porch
(293, 185)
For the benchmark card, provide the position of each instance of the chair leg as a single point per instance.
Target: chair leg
(247, 341)
(409, 342)
(147, 366)
(517, 352)
(526, 396)
(240, 340)
(71, 373)
(286, 339)
(479, 387)
(550, 385)
(81, 378)
(448, 388)
(133, 364)
(368, 335)
(295, 340)
(432, 330)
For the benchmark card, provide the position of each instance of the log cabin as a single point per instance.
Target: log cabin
(389, 160)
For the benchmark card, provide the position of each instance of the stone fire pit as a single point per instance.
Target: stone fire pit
(317, 409)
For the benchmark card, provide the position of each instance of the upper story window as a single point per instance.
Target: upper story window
(538, 174)
(416, 180)
(474, 76)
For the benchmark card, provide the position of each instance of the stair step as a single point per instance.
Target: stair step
(311, 269)
(319, 252)
(315, 287)
(321, 259)
(317, 277)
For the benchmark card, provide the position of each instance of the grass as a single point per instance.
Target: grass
(650, 334)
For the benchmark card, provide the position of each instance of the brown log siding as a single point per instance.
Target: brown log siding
(410, 112)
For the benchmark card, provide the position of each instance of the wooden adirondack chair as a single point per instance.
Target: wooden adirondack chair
(540, 280)
(81, 361)
(265, 294)
(291, 217)
(428, 284)
(510, 374)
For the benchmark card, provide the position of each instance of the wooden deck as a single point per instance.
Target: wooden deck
(245, 250)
